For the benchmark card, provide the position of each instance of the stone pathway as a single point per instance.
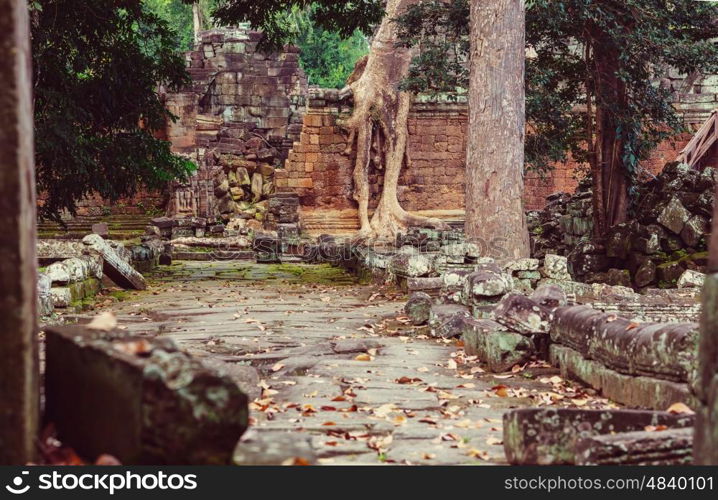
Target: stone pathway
(340, 374)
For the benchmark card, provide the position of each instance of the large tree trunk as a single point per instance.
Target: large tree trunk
(19, 394)
(705, 386)
(197, 21)
(495, 216)
(610, 184)
(379, 128)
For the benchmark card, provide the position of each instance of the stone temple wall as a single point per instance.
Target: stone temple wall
(237, 120)
(433, 179)
(320, 169)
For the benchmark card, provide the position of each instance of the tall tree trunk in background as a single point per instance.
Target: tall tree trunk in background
(197, 20)
(495, 151)
(610, 184)
(379, 128)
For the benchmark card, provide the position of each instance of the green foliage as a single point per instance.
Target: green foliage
(96, 68)
(343, 17)
(178, 15)
(326, 57)
(647, 36)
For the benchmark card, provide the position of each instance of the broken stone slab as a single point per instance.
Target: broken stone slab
(49, 251)
(493, 345)
(432, 286)
(114, 266)
(75, 269)
(551, 296)
(556, 267)
(636, 391)
(572, 326)
(695, 231)
(519, 265)
(523, 286)
(691, 279)
(418, 308)
(486, 284)
(139, 400)
(666, 447)
(666, 351)
(674, 216)
(411, 265)
(459, 253)
(548, 436)
(455, 279)
(646, 274)
(445, 320)
(522, 315)
(73, 293)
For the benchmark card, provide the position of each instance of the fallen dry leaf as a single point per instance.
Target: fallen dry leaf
(680, 409)
(480, 454)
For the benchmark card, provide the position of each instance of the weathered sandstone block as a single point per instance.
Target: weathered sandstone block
(141, 401)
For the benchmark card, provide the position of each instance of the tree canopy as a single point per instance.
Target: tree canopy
(327, 57)
(97, 68)
(648, 35)
(340, 16)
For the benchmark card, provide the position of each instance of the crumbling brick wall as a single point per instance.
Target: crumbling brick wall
(320, 169)
(237, 121)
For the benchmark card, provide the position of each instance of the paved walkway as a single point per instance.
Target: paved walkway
(340, 371)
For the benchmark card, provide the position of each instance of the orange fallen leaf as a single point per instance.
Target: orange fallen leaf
(501, 391)
(655, 428)
(480, 454)
(363, 357)
(296, 461)
(680, 409)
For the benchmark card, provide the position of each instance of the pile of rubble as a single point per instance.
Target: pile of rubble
(665, 237)
(246, 179)
(668, 234)
(563, 223)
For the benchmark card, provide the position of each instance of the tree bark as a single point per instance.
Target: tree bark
(19, 394)
(495, 216)
(197, 20)
(705, 385)
(378, 129)
(610, 184)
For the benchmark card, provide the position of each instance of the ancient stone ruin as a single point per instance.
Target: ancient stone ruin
(238, 122)
(245, 326)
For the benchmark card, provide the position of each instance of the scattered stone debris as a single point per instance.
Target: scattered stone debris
(114, 266)
(139, 400)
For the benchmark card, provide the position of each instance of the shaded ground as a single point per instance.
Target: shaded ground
(339, 368)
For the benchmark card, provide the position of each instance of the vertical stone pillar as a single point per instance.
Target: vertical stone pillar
(19, 396)
(705, 384)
